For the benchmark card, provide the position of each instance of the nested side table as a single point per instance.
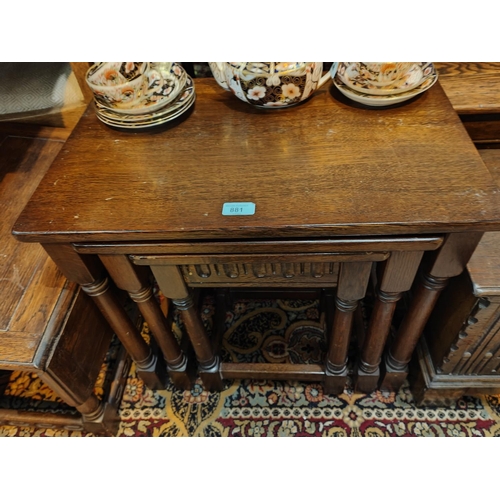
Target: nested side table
(337, 189)
(338, 263)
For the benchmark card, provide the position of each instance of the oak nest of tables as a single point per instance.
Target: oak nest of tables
(339, 190)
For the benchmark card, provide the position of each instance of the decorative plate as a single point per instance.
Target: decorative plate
(114, 73)
(171, 111)
(174, 81)
(385, 100)
(167, 109)
(168, 114)
(383, 78)
(152, 122)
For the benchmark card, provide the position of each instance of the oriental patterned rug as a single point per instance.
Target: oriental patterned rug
(265, 330)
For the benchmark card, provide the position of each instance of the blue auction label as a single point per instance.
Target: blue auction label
(240, 208)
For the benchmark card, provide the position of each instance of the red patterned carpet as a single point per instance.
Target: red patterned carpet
(273, 331)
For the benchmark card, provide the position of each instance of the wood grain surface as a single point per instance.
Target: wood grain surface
(325, 168)
(30, 283)
(472, 87)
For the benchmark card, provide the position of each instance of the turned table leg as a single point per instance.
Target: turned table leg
(396, 276)
(82, 397)
(352, 284)
(446, 262)
(88, 272)
(134, 280)
(172, 285)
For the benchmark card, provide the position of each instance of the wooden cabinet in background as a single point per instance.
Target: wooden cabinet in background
(474, 91)
(460, 351)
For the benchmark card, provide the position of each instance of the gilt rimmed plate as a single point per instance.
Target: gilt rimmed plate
(152, 122)
(168, 108)
(174, 80)
(385, 100)
(178, 105)
(361, 78)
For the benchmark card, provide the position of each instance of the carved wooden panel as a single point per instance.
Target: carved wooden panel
(476, 348)
(260, 273)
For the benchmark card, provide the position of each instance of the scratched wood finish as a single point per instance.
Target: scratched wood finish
(334, 169)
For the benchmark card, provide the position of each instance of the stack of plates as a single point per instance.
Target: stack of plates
(169, 102)
(351, 83)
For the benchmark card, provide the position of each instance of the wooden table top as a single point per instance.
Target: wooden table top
(328, 167)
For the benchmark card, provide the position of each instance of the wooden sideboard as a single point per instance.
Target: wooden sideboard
(474, 91)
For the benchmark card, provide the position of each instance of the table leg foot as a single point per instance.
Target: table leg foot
(154, 374)
(182, 375)
(211, 376)
(106, 424)
(367, 382)
(98, 417)
(394, 375)
(335, 379)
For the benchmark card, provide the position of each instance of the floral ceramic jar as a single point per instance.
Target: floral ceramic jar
(271, 84)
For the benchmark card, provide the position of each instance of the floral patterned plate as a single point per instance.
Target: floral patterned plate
(385, 100)
(383, 78)
(150, 123)
(114, 73)
(157, 98)
(154, 118)
(167, 109)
